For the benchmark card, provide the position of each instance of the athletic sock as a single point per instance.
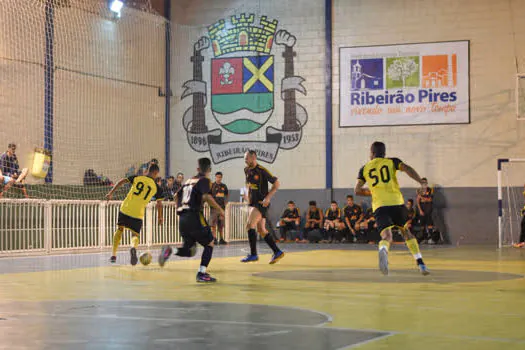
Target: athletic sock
(252, 238)
(269, 240)
(384, 245)
(206, 256)
(117, 237)
(413, 247)
(135, 241)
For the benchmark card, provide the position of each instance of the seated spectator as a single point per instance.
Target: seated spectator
(353, 215)
(412, 214)
(10, 168)
(143, 169)
(368, 227)
(314, 221)
(169, 189)
(92, 179)
(333, 224)
(179, 180)
(290, 220)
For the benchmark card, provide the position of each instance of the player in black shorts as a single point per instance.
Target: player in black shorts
(425, 200)
(192, 224)
(257, 178)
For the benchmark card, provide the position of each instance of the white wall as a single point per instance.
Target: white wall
(302, 167)
(451, 155)
(107, 112)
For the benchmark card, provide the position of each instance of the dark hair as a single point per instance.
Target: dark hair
(153, 167)
(252, 152)
(312, 203)
(204, 164)
(291, 202)
(333, 202)
(378, 149)
(218, 173)
(11, 145)
(171, 177)
(154, 161)
(424, 179)
(349, 196)
(411, 201)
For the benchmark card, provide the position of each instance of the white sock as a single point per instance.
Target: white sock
(202, 269)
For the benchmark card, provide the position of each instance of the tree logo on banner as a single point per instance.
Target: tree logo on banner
(242, 91)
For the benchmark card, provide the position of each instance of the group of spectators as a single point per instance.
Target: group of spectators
(354, 223)
(10, 173)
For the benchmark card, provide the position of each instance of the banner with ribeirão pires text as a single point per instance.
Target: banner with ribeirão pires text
(404, 84)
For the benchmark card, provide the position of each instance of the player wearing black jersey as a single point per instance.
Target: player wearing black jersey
(192, 224)
(257, 178)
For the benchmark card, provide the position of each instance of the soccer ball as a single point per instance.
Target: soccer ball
(145, 258)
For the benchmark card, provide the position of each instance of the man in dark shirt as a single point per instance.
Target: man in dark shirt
(220, 193)
(257, 178)
(179, 179)
(192, 224)
(169, 189)
(314, 217)
(353, 214)
(10, 168)
(332, 222)
(290, 220)
(425, 200)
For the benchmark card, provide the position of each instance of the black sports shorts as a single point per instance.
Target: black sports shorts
(128, 222)
(194, 228)
(261, 209)
(396, 215)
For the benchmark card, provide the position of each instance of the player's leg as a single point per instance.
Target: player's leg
(400, 219)
(134, 245)
(521, 242)
(383, 216)
(277, 253)
(253, 219)
(205, 238)
(22, 175)
(220, 228)
(117, 238)
(213, 222)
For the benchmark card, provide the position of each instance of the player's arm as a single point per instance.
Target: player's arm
(408, 170)
(121, 182)
(360, 218)
(359, 186)
(321, 216)
(204, 186)
(275, 186)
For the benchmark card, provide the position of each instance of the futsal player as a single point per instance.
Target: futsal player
(257, 178)
(192, 224)
(425, 199)
(521, 243)
(131, 214)
(388, 202)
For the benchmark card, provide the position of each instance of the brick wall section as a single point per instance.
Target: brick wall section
(302, 167)
(453, 155)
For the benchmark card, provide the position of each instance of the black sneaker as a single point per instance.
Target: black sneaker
(222, 241)
(134, 260)
(113, 259)
(205, 278)
(215, 241)
(165, 254)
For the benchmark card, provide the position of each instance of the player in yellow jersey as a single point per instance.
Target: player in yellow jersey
(388, 202)
(143, 189)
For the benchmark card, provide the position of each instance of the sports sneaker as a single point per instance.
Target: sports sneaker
(113, 259)
(215, 241)
(277, 256)
(250, 258)
(134, 260)
(519, 245)
(164, 255)
(205, 278)
(423, 269)
(383, 261)
(222, 241)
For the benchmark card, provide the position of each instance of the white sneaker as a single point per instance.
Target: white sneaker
(383, 261)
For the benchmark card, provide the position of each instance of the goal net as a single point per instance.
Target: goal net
(84, 86)
(511, 200)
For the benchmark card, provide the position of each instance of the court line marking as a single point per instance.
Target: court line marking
(269, 333)
(177, 339)
(356, 345)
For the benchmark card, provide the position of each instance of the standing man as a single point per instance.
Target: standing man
(219, 192)
(10, 168)
(388, 203)
(131, 214)
(169, 189)
(178, 181)
(425, 200)
(192, 225)
(257, 178)
(521, 243)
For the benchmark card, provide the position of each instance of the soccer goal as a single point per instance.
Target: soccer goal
(511, 199)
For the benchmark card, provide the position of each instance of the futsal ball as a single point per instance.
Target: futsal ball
(145, 258)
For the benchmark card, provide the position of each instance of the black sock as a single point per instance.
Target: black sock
(252, 238)
(420, 261)
(206, 255)
(271, 243)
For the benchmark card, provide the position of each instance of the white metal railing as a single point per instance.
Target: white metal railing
(50, 226)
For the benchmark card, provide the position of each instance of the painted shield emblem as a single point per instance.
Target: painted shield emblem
(242, 88)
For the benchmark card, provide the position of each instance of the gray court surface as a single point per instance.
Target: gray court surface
(169, 325)
(395, 276)
(86, 260)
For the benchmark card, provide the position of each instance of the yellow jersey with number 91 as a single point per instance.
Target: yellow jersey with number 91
(380, 175)
(143, 188)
